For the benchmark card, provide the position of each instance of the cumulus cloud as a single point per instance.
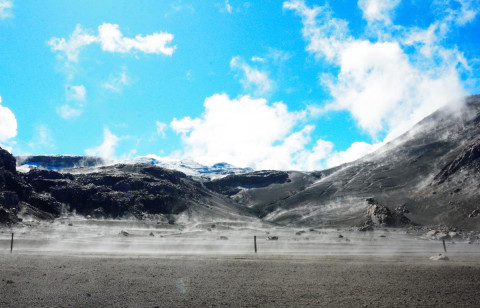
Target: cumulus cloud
(107, 148)
(243, 131)
(8, 124)
(6, 9)
(385, 89)
(378, 10)
(111, 39)
(253, 79)
(249, 132)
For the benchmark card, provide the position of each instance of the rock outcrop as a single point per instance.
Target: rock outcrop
(378, 215)
(468, 159)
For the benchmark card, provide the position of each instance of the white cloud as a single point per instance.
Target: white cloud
(244, 132)
(8, 123)
(111, 39)
(6, 9)
(253, 80)
(107, 148)
(378, 10)
(71, 47)
(161, 128)
(384, 89)
(249, 132)
(184, 125)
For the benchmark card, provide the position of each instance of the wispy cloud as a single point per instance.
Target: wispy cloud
(161, 128)
(253, 79)
(67, 111)
(6, 9)
(179, 6)
(111, 39)
(42, 139)
(116, 83)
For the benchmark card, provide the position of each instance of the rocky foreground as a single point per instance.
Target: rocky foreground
(69, 281)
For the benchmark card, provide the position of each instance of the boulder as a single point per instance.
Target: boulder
(7, 217)
(378, 215)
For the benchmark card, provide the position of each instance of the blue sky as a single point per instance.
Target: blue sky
(264, 84)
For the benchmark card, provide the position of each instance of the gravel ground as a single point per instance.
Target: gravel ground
(236, 281)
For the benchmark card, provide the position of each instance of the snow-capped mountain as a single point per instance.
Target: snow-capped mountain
(189, 167)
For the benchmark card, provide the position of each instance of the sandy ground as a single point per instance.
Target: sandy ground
(46, 280)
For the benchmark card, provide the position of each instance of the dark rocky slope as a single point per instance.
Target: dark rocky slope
(119, 191)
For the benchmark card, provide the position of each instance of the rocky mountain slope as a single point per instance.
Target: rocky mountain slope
(431, 172)
(430, 175)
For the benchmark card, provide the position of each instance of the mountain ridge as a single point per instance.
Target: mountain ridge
(431, 172)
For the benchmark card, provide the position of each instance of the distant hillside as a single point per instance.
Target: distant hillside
(432, 170)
